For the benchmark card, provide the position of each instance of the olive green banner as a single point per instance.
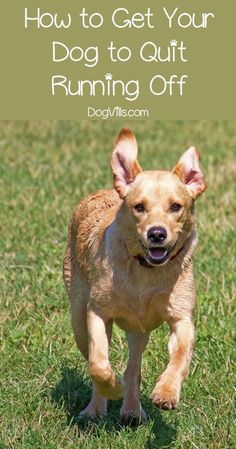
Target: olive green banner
(128, 59)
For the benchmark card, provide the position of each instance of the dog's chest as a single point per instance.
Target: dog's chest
(138, 296)
(138, 309)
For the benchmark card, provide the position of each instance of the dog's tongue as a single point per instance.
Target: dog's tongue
(158, 253)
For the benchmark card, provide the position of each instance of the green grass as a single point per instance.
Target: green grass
(45, 169)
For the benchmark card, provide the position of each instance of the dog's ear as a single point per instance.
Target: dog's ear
(190, 174)
(124, 164)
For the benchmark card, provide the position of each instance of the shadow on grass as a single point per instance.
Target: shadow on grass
(73, 392)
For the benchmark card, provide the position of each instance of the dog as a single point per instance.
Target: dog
(129, 261)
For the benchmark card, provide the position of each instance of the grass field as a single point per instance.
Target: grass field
(45, 169)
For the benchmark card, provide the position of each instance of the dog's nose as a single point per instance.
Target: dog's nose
(157, 234)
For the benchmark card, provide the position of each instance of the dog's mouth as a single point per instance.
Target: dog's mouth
(157, 255)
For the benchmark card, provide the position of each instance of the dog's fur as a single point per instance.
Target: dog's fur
(110, 275)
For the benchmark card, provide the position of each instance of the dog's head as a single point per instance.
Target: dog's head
(156, 216)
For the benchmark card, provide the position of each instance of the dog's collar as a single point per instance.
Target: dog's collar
(142, 261)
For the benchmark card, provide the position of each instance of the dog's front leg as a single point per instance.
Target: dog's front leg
(131, 409)
(166, 393)
(104, 378)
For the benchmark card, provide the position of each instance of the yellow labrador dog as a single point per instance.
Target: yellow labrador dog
(129, 260)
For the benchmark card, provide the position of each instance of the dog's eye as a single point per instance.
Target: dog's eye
(139, 207)
(175, 207)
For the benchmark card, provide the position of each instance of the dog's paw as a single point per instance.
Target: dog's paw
(133, 417)
(93, 411)
(165, 396)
